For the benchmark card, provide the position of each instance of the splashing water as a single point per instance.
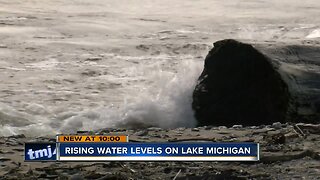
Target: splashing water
(164, 101)
(166, 104)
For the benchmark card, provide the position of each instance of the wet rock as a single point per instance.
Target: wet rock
(144, 137)
(156, 135)
(76, 177)
(12, 142)
(181, 129)
(310, 128)
(277, 125)
(8, 152)
(275, 138)
(141, 133)
(237, 126)
(239, 85)
(18, 136)
(93, 175)
(207, 127)
(154, 129)
(167, 170)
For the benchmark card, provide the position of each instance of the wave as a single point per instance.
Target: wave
(163, 101)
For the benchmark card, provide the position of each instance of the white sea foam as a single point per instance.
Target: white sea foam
(314, 34)
(165, 101)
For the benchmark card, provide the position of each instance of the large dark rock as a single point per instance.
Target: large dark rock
(239, 85)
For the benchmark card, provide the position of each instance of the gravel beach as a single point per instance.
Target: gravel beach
(286, 152)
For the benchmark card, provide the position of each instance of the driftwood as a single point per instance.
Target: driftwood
(289, 157)
(310, 128)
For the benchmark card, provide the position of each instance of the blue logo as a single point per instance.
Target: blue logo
(40, 152)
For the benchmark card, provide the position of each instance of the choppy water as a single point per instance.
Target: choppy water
(150, 55)
(163, 101)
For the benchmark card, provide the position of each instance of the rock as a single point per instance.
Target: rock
(275, 138)
(222, 127)
(17, 136)
(181, 129)
(156, 129)
(237, 126)
(76, 177)
(277, 125)
(239, 85)
(141, 133)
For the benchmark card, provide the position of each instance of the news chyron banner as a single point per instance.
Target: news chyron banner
(118, 148)
(48, 151)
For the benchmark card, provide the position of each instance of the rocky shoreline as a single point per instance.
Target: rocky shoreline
(287, 151)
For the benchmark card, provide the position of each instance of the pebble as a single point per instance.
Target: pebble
(232, 140)
(262, 126)
(3, 46)
(154, 129)
(277, 125)
(195, 129)
(237, 126)
(167, 170)
(18, 136)
(156, 135)
(52, 176)
(141, 133)
(270, 129)
(12, 142)
(7, 152)
(222, 127)
(76, 177)
(181, 129)
(164, 136)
